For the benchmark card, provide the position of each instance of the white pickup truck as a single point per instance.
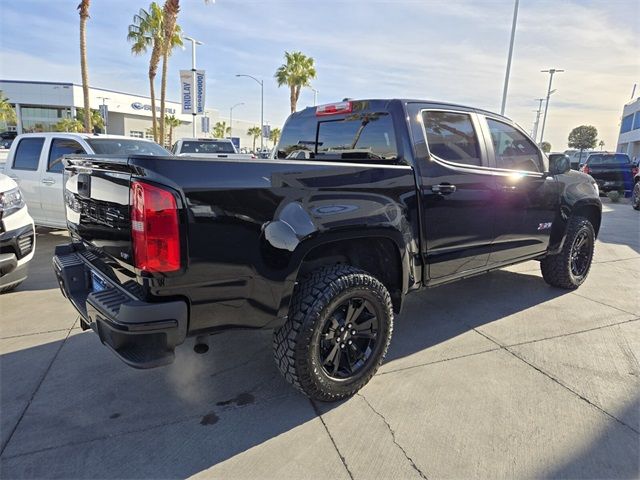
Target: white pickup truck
(35, 164)
(208, 147)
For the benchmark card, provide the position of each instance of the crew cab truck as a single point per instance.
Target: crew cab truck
(395, 195)
(35, 164)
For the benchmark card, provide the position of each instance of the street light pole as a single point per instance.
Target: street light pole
(105, 117)
(551, 72)
(315, 96)
(534, 132)
(261, 83)
(508, 72)
(231, 118)
(194, 42)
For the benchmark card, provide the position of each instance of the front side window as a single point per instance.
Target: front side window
(60, 147)
(451, 137)
(513, 150)
(28, 153)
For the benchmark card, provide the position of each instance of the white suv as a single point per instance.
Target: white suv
(17, 235)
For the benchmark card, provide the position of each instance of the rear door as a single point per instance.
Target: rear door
(526, 199)
(456, 190)
(25, 170)
(51, 178)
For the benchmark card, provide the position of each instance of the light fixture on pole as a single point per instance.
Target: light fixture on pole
(104, 112)
(231, 118)
(261, 83)
(194, 42)
(508, 72)
(551, 72)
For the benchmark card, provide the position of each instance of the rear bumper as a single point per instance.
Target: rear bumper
(142, 334)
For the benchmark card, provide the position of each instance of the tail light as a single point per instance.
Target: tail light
(635, 170)
(154, 229)
(334, 109)
(585, 169)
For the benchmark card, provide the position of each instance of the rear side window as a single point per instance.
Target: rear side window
(451, 137)
(358, 136)
(28, 153)
(611, 159)
(60, 147)
(207, 147)
(513, 150)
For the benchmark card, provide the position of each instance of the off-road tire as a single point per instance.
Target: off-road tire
(314, 299)
(556, 269)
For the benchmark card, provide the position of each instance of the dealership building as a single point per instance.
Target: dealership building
(40, 105)
(629, 139)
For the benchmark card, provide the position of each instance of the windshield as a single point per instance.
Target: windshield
(207, 147)
(122, 146)
(611, 159)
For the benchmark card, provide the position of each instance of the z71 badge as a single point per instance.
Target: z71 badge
(544, 226)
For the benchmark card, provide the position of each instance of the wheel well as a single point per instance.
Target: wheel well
(378, 256)
(592, 213)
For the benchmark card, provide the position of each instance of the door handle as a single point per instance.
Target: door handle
(443, 188)
(48, 181)
(509, 188)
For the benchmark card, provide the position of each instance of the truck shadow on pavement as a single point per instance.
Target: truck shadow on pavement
(94, 416)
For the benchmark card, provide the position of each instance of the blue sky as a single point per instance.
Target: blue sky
(450, 50)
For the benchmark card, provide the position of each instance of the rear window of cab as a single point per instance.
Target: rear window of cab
(358, 135)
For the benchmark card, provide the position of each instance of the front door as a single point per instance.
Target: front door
(51, 187)
(25, 170)
(526, 198)
(456, 188)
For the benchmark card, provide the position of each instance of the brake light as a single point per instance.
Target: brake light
(585, 169)
(634, 171)
(334, 109)
(154, 228)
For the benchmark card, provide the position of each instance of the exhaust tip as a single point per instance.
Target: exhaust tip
(201, 348)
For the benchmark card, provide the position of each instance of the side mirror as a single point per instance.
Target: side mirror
(559, 165)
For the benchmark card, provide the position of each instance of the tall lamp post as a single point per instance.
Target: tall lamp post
(231, 118)
(194, 42)
(508, 72)
(551, 72)
(315, 96)
(261, 83)
(104, 113)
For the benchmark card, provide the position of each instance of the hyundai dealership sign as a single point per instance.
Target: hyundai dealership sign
(142, 106)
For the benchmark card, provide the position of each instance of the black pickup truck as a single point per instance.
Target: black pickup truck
(611, 171)
(392, 196)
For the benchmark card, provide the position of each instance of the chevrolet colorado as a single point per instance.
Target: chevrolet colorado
(392, 196)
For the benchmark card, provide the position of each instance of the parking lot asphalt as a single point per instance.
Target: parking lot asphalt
(499, 376)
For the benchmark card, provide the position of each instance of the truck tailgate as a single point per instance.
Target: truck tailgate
(96, 193)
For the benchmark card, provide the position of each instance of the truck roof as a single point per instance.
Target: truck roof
(79, 135)
(413, 100)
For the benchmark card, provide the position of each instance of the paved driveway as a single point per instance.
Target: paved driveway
(499, 376)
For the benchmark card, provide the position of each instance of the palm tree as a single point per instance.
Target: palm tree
(297, 72)
(96, 119)
(220, 130)
(147, 32)
(7, 112)
(83, 9)
(275, 135)
(68, 125)
(255, 133)
(170, 11)
(172, 122)
(601, 144)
